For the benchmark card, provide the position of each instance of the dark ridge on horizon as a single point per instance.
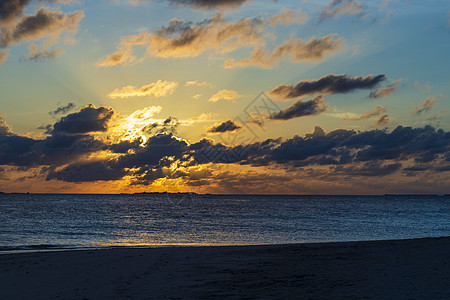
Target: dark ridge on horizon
(211, 194)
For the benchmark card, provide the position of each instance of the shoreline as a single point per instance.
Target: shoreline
(411, 268)
(56, 248)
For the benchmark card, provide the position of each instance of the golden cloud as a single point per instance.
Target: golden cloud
(155, 89)
(225, 95)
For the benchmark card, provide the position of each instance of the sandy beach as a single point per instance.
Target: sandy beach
(403, 269)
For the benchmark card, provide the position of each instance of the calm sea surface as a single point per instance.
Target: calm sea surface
(60, 221)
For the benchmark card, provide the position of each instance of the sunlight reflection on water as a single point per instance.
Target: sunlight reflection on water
(158, 220)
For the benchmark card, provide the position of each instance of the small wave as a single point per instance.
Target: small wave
(41, 248)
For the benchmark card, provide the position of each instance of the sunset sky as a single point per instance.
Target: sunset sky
(225, 96)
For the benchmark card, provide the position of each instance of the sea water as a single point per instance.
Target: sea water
(37, 221)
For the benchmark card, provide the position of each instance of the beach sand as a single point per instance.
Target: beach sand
(404, 269)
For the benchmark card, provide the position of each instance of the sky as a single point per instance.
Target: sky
(225, 96)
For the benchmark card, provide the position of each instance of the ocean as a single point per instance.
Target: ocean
(51, 221)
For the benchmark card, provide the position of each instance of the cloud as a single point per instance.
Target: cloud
(225, 95)
(16, 150)
(155, 89)
(210, 4)
(288, 17)
(119, 57)
(48, 128)
(338, 8)
(368, 114)
(296, 50)
(338, 147)
(87, 120)
(204, 117)
(17, 27)
(181, 39)
(63, 109)
(370, 169)
(301, 108)
(198, 83)
(382, 121)
(68, 141)
(73, 155)
(11, 9)
(426, 106)
(87, 172)
(206, 4)
(426, 85)
(5, 129)
(36, 54)
(3, 56)
(385, 91)
(124, 55)
(227, 126)
(44, 23)
(330, 84)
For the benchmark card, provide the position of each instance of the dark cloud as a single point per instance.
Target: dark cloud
(59, 149)
(87, 172)
(330, 84)
(369, 169)
(155, 149)
(336, 147)
(348, 153)
(301, 108)
(67, 152)
(125, 146)
(11, 9)
(67, 141)
(227, 126)
(17, 27)
(63, 109)
(48, 128)
(55, 150)
(17, 150)
(86, 120)
(44, 23)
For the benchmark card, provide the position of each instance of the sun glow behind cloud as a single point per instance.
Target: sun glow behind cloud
(132, 127)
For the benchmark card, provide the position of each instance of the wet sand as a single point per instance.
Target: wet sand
(404, 269)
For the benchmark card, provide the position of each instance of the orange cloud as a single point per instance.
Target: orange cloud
(3, 56)
(296, 49)
(288, 17)
(181, 39)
